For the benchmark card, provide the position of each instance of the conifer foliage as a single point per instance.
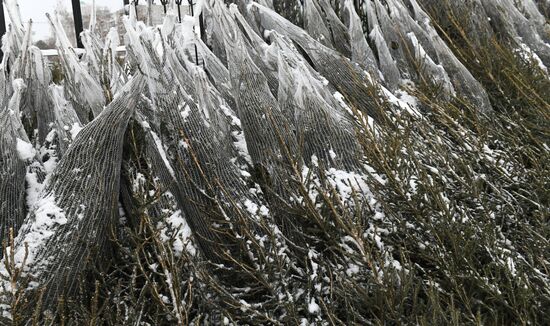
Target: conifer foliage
(306, 162)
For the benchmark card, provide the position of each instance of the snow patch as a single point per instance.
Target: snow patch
(162, 153)
(25, 150)
(75, 129)
(313, 307)
(46, 218)
(176, 228)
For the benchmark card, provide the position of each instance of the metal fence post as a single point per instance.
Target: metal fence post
(178, 3)
(2, 27)
(136, 3)
(201, 27)
(78, 25)
(191, 4)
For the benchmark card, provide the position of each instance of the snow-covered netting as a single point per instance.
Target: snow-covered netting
(250, 153)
